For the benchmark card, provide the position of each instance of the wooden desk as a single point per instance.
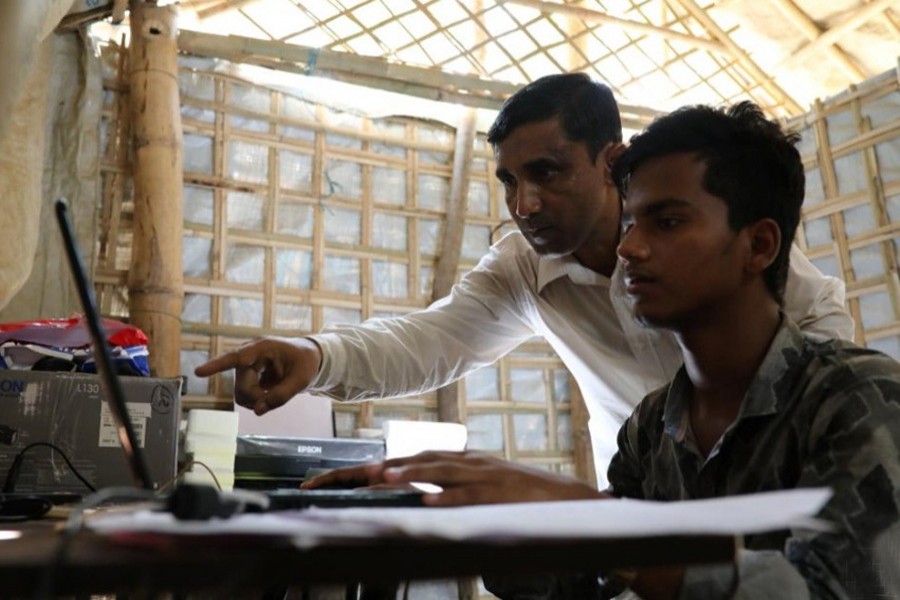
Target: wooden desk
(152, 563)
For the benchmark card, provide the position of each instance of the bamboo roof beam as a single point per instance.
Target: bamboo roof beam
(316, 59)
(812, 31)
(890, 20)
(433, 84)
(225, 6)
(197, 4)
(73, 21)
(832, 35)
(595, 16)
(740, 55)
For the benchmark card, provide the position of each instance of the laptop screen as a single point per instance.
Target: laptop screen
(112, 388)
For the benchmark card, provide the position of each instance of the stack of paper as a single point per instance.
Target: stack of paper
(580, 519)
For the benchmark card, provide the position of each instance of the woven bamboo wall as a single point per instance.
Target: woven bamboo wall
(297, 217)
(851, 215)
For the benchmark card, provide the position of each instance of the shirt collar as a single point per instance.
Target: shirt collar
(762, 395)
(551, 269)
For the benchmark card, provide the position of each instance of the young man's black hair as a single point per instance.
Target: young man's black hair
(587, 110)
(750, 163)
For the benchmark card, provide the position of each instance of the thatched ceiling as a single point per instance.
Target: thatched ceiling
(654, 53)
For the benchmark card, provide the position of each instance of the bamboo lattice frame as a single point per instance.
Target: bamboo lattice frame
(851, 216)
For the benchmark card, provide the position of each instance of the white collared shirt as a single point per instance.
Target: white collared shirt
(514, 294)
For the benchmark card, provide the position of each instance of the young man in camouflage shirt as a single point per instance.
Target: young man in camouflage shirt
(712, 202)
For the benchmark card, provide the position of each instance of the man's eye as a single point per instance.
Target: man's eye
(668, 222)
(545, 173)
(626, 226)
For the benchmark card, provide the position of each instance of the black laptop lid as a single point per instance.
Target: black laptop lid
(110, 384)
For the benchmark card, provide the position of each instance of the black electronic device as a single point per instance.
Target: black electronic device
(111, 386)
(272, 462)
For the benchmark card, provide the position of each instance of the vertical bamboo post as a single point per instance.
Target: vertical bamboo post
(582, 448)
(156, 279)
(449, 406)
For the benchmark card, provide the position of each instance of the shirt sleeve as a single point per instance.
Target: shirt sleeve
(852, 445)
(760, 575)
(481, 320)
(853, 448)
(816, 302)
(626, 472)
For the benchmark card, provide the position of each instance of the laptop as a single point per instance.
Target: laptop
(109, 380)
(188, 496)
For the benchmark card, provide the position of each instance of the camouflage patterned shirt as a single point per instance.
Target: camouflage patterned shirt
(818, 413)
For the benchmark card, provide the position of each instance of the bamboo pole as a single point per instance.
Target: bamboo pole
(581, 437)
(831, 36)
(588, 15)
(450, 409)
(747, 63)
(211, 11)
(803, 22)
(582, 449)
(155, 282)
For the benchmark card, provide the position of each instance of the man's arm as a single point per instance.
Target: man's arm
(422, 351)
(481, 320)
(815, 301)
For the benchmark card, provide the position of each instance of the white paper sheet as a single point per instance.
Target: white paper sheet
(734, 515)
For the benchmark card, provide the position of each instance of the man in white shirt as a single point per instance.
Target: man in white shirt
(558, 277)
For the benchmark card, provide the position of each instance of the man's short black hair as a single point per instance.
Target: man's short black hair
(587, 110)
(751, 164)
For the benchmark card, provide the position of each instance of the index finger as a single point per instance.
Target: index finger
(228, 361)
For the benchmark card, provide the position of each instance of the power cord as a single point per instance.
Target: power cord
(185, 469)
(12, 476)
(73, 525)
(186, 502)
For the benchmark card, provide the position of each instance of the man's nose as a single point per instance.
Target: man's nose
(528, 200)
(632, 246)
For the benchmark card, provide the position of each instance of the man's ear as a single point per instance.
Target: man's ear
(610, 154)
(765, 241)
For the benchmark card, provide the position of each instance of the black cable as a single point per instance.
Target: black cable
(74, 524)
(12, 475)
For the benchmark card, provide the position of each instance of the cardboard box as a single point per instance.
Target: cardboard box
(68, 411)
